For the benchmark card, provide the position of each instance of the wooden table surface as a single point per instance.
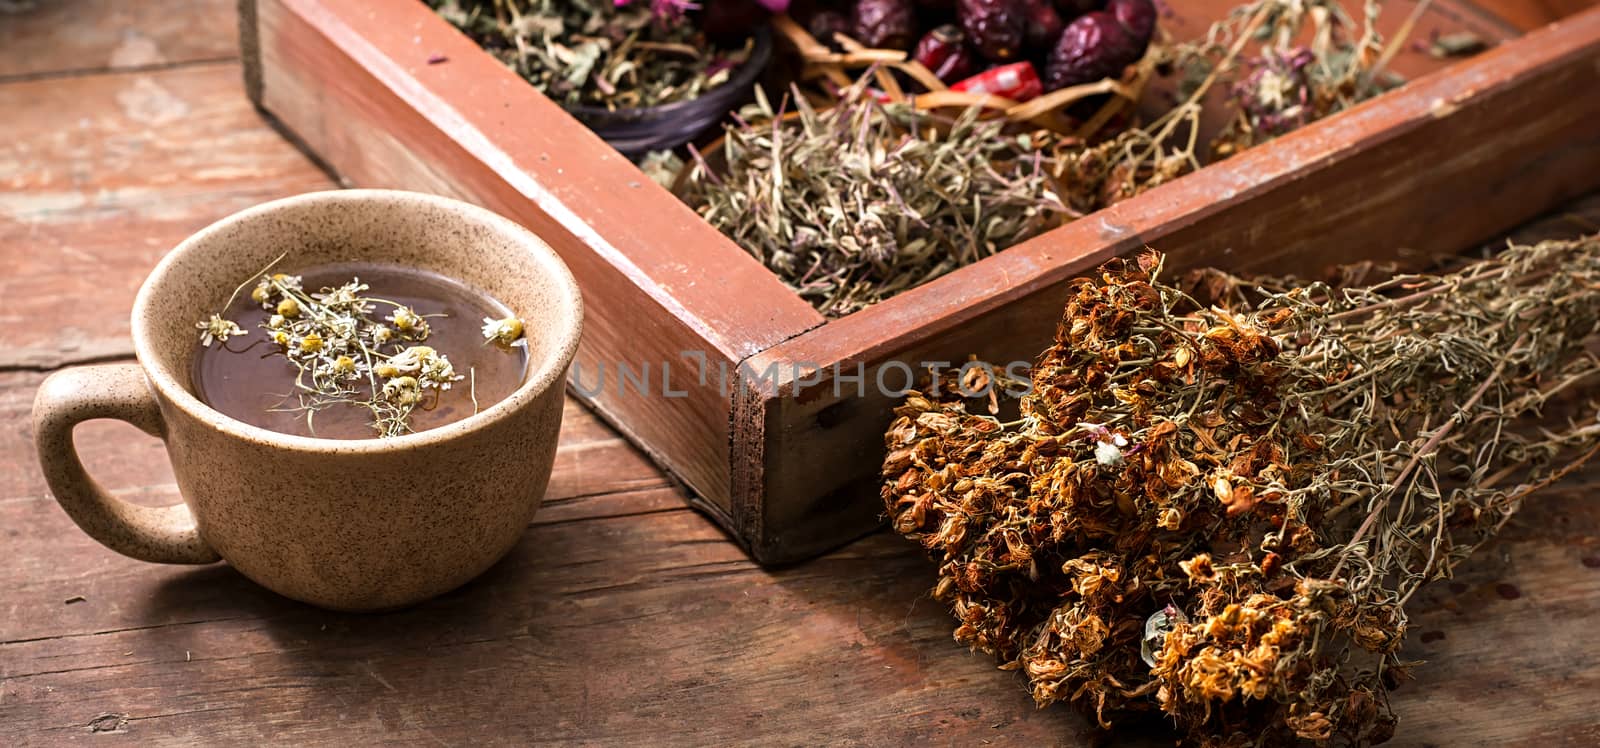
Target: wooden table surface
(622, 616)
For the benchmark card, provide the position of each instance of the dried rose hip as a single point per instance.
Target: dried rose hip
(996, 27)
(885, 24)
(1075, 8)
(1017, 81)
(728, 20)
(1092, 47)
(944, 51)
(1137, 16)
(1043, 24)
(825, 24)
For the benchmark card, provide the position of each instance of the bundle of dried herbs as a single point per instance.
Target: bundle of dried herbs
(852, 204)
(1221, 512)
(599, 52)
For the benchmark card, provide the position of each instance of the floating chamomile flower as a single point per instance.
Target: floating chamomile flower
(410, 324)
(402, 390)
(274, 285)
(344, 366)
(217, 329)
(380, 334)
(504, 332)
(409, 361)
(346, 297)
(421, 362)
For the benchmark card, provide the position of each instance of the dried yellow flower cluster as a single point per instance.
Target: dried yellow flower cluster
(1221, 512)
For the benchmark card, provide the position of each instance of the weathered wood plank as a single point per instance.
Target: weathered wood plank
(100, 176)
(53, 37)
(651, 627)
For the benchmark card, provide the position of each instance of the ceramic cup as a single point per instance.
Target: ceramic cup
(366, 524)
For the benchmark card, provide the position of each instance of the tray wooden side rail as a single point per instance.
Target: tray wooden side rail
(778, 448)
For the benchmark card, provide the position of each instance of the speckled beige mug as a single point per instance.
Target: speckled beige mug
(352, 525)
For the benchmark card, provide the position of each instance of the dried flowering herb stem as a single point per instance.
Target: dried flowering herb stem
(1221, 512)
(1313, 60)
(852, 204)
(1272, 84)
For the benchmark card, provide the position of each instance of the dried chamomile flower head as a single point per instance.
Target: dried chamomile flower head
(1220, 512)
(217, 330)
(504, 332)
(408, 324)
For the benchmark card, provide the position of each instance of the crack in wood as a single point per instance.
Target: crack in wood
(624, 515)
(154, 67)
(124, 630)
(46, 360)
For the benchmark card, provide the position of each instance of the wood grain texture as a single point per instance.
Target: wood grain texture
(1431, 168)
(102, 177)
(57, 37)
(1528, 15)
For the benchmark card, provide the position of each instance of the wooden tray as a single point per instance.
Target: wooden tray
(386, 94)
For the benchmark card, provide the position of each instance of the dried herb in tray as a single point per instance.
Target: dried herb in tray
(597, 53)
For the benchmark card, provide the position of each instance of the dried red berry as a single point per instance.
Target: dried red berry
(825, 24)
(729, 20)
(1094, 46)
(944, 51)
(1137, 16)
(1043, 24)
(1075, 8)
(996, 27)
(884, 24)
(1017, 81)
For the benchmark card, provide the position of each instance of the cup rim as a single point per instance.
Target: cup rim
(542, 375)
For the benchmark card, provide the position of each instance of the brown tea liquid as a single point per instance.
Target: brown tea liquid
(249, 379)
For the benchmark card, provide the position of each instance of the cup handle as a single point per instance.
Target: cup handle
(67, 398)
